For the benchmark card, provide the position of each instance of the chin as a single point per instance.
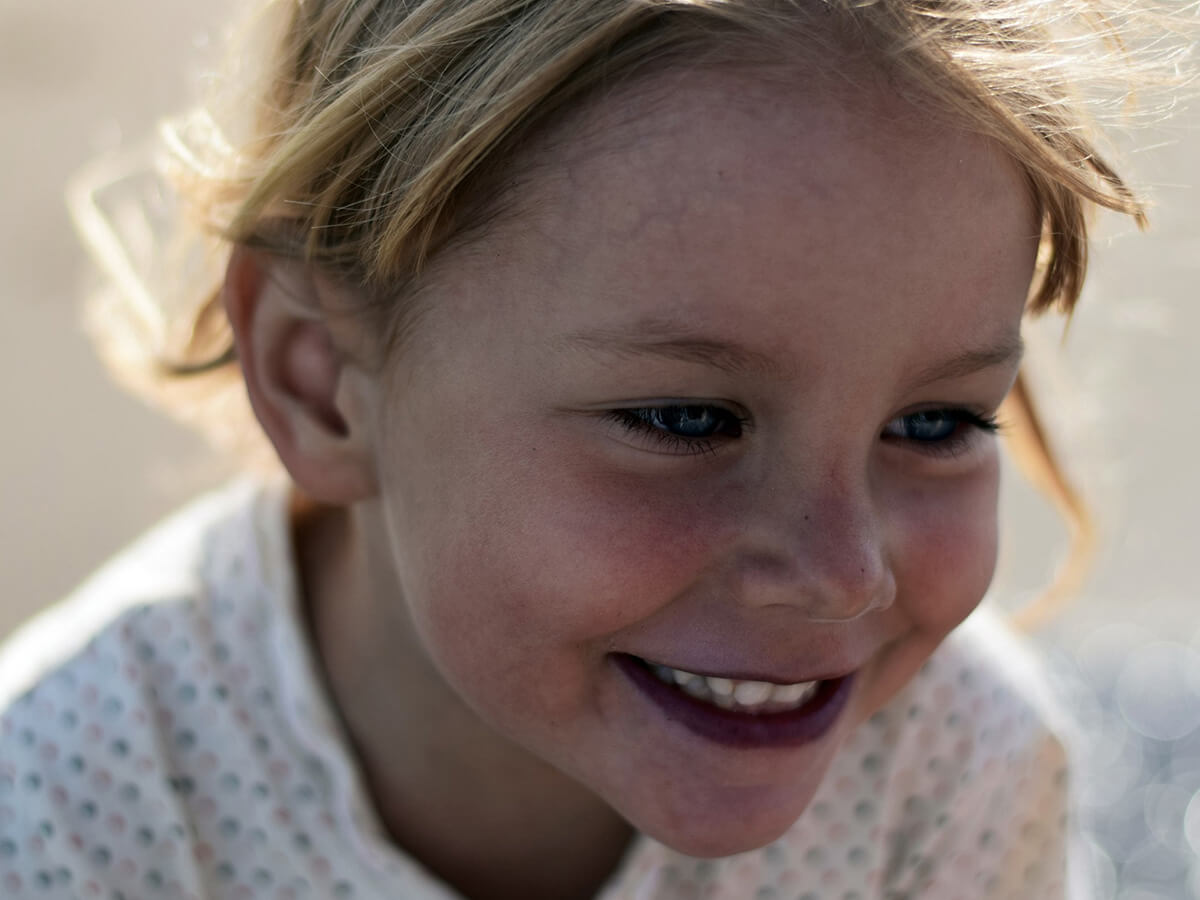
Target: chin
(726, 829)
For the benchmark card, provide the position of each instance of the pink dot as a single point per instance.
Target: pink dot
(279, 768)
(127, 868)
(94, 733)
(203, 852)
(59, 796)
(13, 882)
(48, 752)
(77, 842)
(206, 806)
(830, 877)
(321, 866)
(838, 833)
(207, 761)
(93, 888)
(282, 816)
(37, 846)
(116, 823)
(101, 779)
(846, 785)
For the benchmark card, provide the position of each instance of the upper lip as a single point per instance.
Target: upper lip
(735, 673)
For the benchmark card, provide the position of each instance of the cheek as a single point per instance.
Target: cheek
(538, 553)
(946, 552)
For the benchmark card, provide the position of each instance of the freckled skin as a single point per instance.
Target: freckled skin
(522, 538)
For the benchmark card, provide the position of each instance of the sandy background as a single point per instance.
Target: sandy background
(86, 467)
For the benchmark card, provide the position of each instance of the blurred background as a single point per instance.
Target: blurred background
(86, 467)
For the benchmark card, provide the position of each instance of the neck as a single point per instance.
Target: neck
(477, 810)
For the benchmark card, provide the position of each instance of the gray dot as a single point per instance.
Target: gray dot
(858, 857)
(343, 889)
(101, 856)
(864, 810)
(8, 849)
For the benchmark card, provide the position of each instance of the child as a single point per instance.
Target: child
(635, 368)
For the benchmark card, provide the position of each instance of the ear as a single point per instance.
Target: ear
(305, 390)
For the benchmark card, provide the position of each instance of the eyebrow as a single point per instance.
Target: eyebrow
(1007, 351)
(655, 337)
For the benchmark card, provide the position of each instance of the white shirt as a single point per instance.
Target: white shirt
(165, 735)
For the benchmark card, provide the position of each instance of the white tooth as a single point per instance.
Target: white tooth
(722, 687)
(793, 693)
(661, 672)
(697, 688)
(725, 701)
(752, 693)
(681, 678)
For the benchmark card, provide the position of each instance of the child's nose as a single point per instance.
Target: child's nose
(824, 554)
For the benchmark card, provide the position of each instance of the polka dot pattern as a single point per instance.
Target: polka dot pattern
(185, 751)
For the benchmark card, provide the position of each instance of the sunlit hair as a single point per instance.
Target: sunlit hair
(381, 131)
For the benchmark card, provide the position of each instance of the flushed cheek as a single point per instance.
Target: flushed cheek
(547, 571)
(946, 558)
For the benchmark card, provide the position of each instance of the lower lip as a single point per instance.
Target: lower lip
(741, 729)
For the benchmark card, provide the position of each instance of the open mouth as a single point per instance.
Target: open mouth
(740, 712)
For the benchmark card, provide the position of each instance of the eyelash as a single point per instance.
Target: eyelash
(957, 440)
(641, 420)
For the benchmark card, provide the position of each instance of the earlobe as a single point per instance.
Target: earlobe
(300, 382)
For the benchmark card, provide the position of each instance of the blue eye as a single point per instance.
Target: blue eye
(684, 428)
(689, 421)
(936, 426)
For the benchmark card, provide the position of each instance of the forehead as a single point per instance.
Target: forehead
(698, 195)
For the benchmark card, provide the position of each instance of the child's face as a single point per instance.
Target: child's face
(669, 410)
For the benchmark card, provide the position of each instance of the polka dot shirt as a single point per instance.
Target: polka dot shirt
(165, 735)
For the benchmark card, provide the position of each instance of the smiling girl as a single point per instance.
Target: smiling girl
(635, 368)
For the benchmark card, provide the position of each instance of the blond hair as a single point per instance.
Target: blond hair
(381, 130)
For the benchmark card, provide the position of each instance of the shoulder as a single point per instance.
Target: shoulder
(109, 704)
(167, 567)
